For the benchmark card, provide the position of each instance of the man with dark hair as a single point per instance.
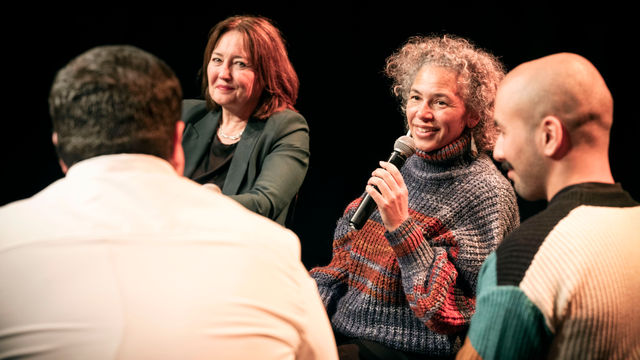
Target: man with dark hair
(112, 100)
(566, 283)
(125, 258)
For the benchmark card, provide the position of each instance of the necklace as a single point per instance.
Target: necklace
(230, 137)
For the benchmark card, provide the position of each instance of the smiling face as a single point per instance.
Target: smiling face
(231, 76)
(435, 111)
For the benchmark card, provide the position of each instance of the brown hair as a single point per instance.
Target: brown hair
(268, 55)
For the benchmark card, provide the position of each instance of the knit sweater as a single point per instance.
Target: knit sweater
(413, 289)
(566, 284)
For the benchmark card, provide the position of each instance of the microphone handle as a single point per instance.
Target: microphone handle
(368, 205)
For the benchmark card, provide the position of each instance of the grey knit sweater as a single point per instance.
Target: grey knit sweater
(414, 289)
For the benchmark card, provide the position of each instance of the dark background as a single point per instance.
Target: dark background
(338, 49)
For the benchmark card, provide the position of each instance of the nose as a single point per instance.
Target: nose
(498, 152)
(225, 72)
(425, 112)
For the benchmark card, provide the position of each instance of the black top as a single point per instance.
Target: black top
(214, 165)
(269, 162)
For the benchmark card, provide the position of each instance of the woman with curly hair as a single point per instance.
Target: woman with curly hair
(403, 287)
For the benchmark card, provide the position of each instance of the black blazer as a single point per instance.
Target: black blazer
(269, 163)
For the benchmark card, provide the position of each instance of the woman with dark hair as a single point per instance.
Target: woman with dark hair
(246, 136)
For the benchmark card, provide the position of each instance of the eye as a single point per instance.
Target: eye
(240, 64)
(414, 97)
(216, 59)
(440, 103)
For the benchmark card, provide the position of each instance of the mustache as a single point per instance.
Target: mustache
(506, 166)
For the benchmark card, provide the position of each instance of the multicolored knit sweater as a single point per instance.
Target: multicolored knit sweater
(413, 289)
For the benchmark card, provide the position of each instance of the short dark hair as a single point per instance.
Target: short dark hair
(114, 99)
(269, 54)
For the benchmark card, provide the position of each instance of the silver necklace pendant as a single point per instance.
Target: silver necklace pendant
(229, 137)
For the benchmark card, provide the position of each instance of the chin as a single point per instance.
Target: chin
(528, 194)
(426, 147)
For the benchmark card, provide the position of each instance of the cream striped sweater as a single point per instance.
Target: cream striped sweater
(566, 284)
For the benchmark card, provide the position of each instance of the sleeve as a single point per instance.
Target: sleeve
(506, 325)
(316, 338)
(332, 280)
(282, 171)
(439, 264)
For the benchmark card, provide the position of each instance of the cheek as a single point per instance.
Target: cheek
(410, 112)
(455, 125)
(249, 81)
(211, 73)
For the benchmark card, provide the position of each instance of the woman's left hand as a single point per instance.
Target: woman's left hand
(393, 196)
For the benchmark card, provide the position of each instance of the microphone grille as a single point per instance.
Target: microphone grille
(405, 146)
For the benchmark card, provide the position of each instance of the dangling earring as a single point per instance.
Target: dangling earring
(474, 148)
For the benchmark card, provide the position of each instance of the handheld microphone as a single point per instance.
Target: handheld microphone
(402, 149)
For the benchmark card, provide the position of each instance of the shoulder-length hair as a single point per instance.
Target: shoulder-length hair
(268, 55)
(479, 74)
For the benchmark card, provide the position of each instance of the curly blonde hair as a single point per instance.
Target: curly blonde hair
(478, 72)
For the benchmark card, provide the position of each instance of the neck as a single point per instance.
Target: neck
(233, 120)
(576, 169)
(231, 127)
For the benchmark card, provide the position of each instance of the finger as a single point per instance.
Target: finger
(386, 177)
(375, 195)
(381, 185)
(394, 172)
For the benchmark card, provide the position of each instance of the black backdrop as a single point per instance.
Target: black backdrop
(338, 50)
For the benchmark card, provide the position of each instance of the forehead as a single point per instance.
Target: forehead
(232, 41)
(510, 103)
(431, 78)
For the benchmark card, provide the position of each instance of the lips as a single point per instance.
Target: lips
(425, 131)
(224, 87)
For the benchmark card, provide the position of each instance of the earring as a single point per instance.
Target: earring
(474, 148)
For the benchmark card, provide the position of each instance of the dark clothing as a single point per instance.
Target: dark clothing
(268, 165)
(214, 165)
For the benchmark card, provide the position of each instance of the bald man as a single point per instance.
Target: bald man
(566, 283)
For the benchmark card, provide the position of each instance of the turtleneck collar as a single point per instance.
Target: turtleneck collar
(452, 152)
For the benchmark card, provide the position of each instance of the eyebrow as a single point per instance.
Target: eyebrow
(434, 95)
(233, 56)
(412, 89)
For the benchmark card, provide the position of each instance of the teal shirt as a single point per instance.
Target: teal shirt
(506, 324)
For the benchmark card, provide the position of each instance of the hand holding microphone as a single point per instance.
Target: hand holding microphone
(387, 188)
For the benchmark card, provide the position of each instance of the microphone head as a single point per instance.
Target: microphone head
(405, 146)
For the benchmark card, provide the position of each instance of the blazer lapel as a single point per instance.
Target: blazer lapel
(242, 156)
(196, 140)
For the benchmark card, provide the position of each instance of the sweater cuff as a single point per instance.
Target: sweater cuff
(407, 241)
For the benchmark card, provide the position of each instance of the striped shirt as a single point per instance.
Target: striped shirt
(565, 284)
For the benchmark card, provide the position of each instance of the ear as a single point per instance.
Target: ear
(177, 158)
(554, 137)
(472, 121)
(54, 140)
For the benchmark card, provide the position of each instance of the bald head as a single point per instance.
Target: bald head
(555, 115)
(567, 86)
